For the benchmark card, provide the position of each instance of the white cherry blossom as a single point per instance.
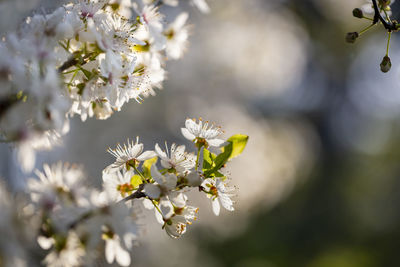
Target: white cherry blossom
(177, 36)
(128, 153)
(202, 133)
(176, 158)
(219, 194)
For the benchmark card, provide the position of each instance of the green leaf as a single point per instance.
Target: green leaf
(223, 157)
(136, 180)
(239, 142)
(147, 165)
(208, 159)
(219, 161)
(87, 73)
(212, 164)
(80, 87)
(209, 163)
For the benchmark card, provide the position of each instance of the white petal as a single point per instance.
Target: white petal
(179, 152)
(194, 127)
(215, 142)
(166, 164)
(44, 242)
(136, 41)
(202, 5)
(170, 181)
(159, 217)
(194, 179)
(110, 251)
(123, 258)
(26, 157)
(171, 2)
(147, 155)
(367, 9)
(226, 202)
(160, 153)
(178, 199)
(112, 168)
(181, 20)
(188, 135)
(215, 207)
(152, 191)
(166, 208)
(148, 204)
(157, 176)
(136, 150)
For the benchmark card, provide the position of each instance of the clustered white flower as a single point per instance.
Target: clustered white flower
(89, 58)
(76, 224)
(85, 59)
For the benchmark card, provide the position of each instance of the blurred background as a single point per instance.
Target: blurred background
(319, 183)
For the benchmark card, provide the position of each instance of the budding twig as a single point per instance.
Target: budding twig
(390, 26)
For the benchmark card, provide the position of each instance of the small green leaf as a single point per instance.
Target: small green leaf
(136, 180)
(219, 161)
(239, 142)
(208, 159)
(212, 164)
(80, 87)
(87, 73)
(147, 165)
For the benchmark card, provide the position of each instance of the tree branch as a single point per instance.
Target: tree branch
(138, 194)
(85, 216)
(378, 17)
(72, 61)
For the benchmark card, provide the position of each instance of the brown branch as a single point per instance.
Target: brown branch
(6, 103)
(378, 17)
(75, 60)
(87, 215)
(138, 194)
(72, 61)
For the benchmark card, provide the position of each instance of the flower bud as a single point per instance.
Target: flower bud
(357, 12)
(386, 64)
(351, 37)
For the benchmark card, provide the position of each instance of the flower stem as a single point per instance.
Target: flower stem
(371, 19)
(366, 29)
(388, 42)
(140, 174)
(157, 208)
(198, 157)
(386, 15)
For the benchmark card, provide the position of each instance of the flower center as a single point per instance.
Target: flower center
(180, 228)
(201, 142)
(214, 191)
(124, 189)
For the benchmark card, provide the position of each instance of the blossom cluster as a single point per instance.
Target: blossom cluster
(75, 224)
(85, 59)
(381, 14)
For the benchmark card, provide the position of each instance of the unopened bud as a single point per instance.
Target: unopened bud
(386, 64)
(357, 12)
(351, 37)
